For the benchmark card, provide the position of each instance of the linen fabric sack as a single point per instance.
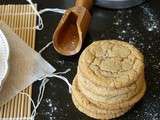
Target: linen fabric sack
(25, 66)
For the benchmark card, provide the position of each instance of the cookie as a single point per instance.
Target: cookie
(118, 97)
(94, 114)
(108, 92)
(111, 63)
(90, 109)
(110, 79)
(117, 105)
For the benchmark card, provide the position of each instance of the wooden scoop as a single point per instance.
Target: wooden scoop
(73, 26)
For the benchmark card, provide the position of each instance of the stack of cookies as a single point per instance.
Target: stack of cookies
(110, 79)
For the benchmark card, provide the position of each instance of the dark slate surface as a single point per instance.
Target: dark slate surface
(139, 26)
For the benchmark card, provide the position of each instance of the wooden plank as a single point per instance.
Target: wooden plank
(22, 20)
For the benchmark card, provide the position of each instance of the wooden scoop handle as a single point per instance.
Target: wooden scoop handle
(85, 3)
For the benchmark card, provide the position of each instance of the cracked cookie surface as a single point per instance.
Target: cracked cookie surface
(110, 79)
(111, 63)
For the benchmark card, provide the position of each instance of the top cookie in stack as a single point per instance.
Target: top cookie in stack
(110, 77)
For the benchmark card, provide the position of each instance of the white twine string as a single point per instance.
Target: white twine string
(40, 21)
(45, 47)
(40, 25)
(40, 96)
(56, 10)
(57, 75)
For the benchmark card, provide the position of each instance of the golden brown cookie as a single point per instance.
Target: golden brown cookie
(108, 92)
(111, 63)
(94, 114)
(116, 98)
(90, 109)
(129, 102)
